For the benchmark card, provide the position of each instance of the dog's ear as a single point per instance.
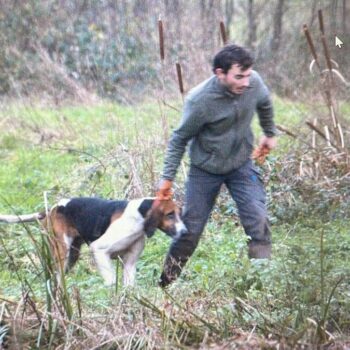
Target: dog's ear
(151, 224)
(145, 207)
(150, 212)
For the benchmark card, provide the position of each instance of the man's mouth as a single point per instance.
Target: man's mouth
(239, 90)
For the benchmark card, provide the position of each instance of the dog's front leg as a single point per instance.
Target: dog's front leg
(105, 266)
(129, 261)
(129, 274)
(118, 237)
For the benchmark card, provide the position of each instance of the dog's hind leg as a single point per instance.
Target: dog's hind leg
(73, 253)
(62, 239)
(63, 245)
(59, 245)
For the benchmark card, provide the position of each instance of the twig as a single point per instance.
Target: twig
(313, 127)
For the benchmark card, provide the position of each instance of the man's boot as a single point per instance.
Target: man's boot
(259, 250)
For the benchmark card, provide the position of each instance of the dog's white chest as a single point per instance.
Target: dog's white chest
(122, 232)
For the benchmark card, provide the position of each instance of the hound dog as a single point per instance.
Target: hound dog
(113, 229)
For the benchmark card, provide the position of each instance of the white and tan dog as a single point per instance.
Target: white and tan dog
(113, 229)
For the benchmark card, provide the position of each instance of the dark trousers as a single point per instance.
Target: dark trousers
(202, 188)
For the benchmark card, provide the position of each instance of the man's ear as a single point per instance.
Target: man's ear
(219, 71)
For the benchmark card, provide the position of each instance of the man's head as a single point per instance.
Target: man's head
(232, 65)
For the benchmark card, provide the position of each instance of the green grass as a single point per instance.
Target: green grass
(291, 299)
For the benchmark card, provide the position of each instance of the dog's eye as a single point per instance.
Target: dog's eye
(170, 215)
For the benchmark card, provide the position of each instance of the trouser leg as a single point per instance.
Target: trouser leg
(247, 189)
(201, 190)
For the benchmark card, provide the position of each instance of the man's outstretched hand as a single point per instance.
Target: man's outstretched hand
(165, 191)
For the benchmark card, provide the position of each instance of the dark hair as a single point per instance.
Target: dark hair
(232, 54)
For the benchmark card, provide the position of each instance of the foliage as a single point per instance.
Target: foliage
(81, 48)
(52, 48)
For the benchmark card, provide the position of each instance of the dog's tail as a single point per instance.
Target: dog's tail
(13, 219)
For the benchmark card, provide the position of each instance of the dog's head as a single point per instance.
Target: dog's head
(164, 215)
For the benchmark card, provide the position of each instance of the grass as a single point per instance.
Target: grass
(300, 298)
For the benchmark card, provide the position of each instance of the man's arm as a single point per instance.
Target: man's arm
(265, 112)
(191, 124)
(266, 115)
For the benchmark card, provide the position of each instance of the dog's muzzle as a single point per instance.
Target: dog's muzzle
(180, 229)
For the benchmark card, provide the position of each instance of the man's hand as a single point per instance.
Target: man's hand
(268, 142)
(265, 146)
(164, 191)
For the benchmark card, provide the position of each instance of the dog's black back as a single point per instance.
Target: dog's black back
(91, 216)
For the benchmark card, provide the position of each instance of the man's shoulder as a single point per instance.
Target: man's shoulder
(255, 78)
(257, 85)
(201, 90)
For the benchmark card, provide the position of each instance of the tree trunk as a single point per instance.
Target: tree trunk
(229, 11)
(334, 10)
(113, 19)
(251, 25)
(313, 12)
(277, 26)
(344, 17)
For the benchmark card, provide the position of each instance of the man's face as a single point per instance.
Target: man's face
(236, 79)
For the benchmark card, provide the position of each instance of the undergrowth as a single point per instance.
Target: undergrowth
(299, 299)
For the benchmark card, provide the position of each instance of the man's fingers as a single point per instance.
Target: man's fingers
(259, 154)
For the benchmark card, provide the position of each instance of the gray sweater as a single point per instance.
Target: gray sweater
(218, 125)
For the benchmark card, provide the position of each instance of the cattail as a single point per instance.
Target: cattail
(324, 42)
(161, 39)
(179, 77)
(320, 21)
(326, 53)
(311, 44)
(223, 32)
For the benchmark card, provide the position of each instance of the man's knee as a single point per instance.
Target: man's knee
(255, 222)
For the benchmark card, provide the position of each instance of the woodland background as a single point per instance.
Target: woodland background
(63, 49)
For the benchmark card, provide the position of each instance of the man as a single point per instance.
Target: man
(217, 122)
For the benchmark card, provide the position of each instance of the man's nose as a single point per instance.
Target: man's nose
(245, 82)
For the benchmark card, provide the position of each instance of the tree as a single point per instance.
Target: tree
(251, 25)
(277, 26)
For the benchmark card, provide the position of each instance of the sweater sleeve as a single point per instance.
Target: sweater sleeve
(190, 126)
(265, 110)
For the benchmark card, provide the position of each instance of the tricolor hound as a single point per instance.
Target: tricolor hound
(111, 228)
